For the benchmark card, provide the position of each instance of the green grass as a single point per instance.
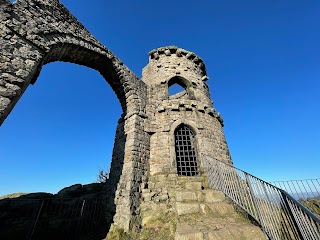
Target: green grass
(116, 233)
(160, 225)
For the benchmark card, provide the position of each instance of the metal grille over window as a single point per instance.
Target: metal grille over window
(186, 156)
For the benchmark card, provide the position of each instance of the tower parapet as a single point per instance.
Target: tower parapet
(172, 65)
(156, 54)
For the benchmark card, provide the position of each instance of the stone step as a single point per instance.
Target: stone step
(190, 178)
(222, 230)
(189, 185)
(206, 196)
(211, 196)
(186, 232)
(218, 209)
(195, 183)
(187, 196)
(187, 208)
(211, 217)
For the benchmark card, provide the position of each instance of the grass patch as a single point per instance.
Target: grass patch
(158, 225)
(116, 233)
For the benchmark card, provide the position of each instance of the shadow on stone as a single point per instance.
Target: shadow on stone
(77, 212)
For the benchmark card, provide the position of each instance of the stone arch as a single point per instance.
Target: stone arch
(69, 52)
(36, 32)
(190, 124)
(187, 163)
(60, 37)
(178, 79)
(174, 126)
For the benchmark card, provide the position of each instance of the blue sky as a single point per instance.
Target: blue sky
(262, 58)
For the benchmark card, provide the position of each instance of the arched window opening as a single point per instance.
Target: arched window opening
(178, 88)
(186, 156)
(175, 89)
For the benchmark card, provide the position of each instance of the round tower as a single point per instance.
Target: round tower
(183, 126)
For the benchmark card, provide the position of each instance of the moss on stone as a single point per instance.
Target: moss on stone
(116, 233)
(160, 224)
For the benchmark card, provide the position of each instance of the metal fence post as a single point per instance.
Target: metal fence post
(292, 216)
(255, 203)
(36, 216)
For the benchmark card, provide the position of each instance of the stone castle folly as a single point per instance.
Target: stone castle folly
(158, 175)
(178, 129)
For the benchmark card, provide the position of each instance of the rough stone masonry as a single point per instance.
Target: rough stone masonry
(159, 137)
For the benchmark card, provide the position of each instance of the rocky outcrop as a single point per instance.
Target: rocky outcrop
(75, 212)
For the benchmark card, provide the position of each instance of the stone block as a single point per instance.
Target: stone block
(222, 209)
(186, 196)
(146, 196)
(189, 236)
(187, 208)
(210, 196)
(186, 232)
(193, 186)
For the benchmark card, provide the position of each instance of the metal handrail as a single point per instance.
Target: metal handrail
(280, 216)
(300, 189)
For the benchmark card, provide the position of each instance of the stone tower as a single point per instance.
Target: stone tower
(183, 126)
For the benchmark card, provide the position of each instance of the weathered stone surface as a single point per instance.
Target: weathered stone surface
(187, 208)
(37, 32)
(186, 232)
(143, 177)
(193, 186)
(186, 196)
(196, 214)
(209, 196)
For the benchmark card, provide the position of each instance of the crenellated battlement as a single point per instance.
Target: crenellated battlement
(168, 51)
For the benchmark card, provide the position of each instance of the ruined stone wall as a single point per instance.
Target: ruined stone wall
(37, 32)
(128, 171)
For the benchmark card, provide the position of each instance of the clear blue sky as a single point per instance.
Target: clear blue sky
(262, 58)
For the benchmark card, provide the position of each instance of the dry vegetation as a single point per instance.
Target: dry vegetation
(313, 205)
(12, 195)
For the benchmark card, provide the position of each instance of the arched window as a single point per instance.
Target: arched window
(185, 146)
(176, 88)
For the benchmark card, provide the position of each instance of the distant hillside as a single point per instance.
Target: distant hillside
(313, 205)
(12, 195)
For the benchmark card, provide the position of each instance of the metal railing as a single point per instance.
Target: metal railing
(52, 218)
(301, 189)
(280, 216)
